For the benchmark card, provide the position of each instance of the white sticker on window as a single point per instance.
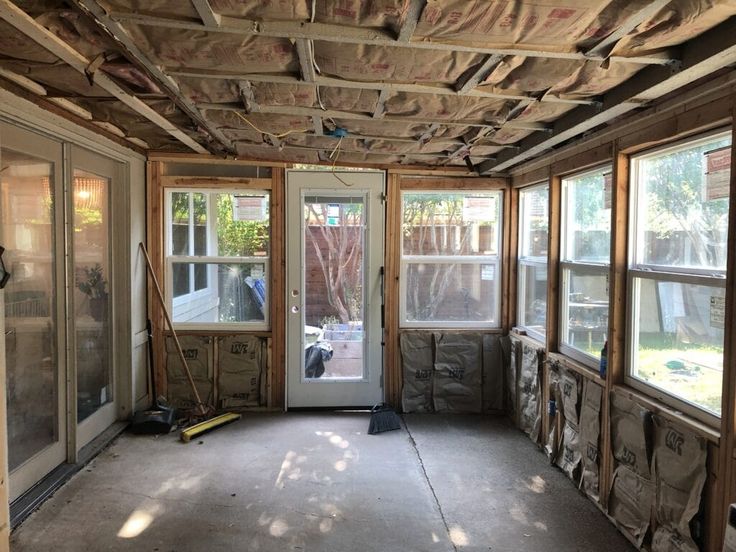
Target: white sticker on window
(717, 311)
(256, 272)
(333, 214)
(479, 208)
(252, 208)
(488, 272)
(717, 173)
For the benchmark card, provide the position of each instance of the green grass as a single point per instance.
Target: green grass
(695, 373)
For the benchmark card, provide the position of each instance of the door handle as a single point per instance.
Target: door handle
(4, 274)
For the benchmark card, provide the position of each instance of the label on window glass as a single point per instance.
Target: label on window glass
(333, 214)
(717, 311)
(479, 209)
(607, 190)
(488, 272)
(256, 272)
(250, 208)
(717, 173)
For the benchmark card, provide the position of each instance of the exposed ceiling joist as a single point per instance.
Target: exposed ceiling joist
(713, 50)
(464, 86)
(336, 114)
(306, 60)
(318, 126)
(411, 19)
(440, 90)
(171, 88)
(29, 27)
(206, 13)
(380, 109)
(356, 35)
(604, 47)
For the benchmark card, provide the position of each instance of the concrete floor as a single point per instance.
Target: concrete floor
(318, 482)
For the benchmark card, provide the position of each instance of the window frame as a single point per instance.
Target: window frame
(567, 266)
(530, 261)
(211, 289)
(638, 271)
(479, 260)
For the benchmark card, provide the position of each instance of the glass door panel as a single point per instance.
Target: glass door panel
(334, 241)
(91, 247)
(33, 337)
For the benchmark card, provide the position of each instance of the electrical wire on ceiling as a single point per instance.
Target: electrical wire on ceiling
(336, 154)
(282, 135)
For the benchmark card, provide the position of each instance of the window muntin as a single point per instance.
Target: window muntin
(450, 258)
(585, 257)
(218, 257)
(533, 244)
(677, 274)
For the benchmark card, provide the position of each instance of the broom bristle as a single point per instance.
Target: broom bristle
(383, 419)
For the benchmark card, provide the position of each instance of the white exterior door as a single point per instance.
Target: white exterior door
(335, 223)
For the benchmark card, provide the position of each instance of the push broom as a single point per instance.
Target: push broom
(202, 410)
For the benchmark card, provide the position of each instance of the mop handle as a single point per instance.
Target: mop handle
(171, 328)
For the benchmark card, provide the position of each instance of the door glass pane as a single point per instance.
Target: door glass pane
(92, 310)
(679, 340)
(334, 244)
(27, 215)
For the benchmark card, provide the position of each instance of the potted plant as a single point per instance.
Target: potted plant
(94, 286)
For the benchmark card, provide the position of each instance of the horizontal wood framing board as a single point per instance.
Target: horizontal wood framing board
(409, 183)
(570, 364)
(215, 182)
(354, 35)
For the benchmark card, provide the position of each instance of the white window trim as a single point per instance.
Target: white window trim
(261, 325)
(531, 261)
(494, 259)
(642, 271)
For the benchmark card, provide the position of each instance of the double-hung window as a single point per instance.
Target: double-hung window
(450, 264)
(677, 272)
(585, 252)
(532, 277)
(217, 258)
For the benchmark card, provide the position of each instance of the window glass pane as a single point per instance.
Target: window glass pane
(534, 205)
(180, 223)
(451, 292)
(91, 247)
(533, 297)
(682, 211)
(237, 293)
(31, 352)
(454, 223)
(587, 223)
(242, 224)
(679, 340)
(585, 320)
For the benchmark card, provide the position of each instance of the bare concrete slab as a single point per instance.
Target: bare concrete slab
(318, 482)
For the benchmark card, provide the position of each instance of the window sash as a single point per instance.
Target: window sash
(521, 283)
(632, 322)
(566, 268)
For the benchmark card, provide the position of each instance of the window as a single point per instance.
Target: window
(450, 259)
(584, 260)
(532, 283)
(678, 246)
(217, 257)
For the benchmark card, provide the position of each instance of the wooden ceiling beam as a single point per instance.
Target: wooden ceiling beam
(206, 13)
(712, 51)
(170, 87)
(439, 90)
(39, 34)
(604, 47)
(357, 35)
(352, 115)
(411, 19)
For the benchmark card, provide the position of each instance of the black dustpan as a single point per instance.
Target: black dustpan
(159, 418)
(383, 418)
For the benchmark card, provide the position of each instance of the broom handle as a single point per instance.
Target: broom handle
(171, 328)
